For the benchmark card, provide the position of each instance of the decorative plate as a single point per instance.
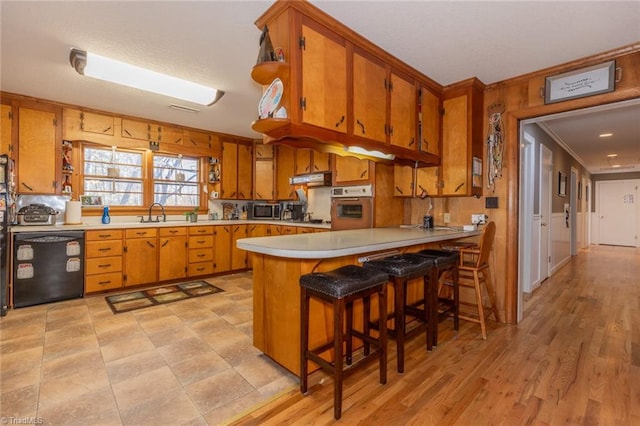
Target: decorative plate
(271, 99)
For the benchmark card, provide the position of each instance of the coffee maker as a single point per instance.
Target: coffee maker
(296, 210)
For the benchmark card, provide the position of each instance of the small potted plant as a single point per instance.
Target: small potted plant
(192, 216)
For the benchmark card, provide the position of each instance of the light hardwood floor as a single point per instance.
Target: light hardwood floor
(574, 359)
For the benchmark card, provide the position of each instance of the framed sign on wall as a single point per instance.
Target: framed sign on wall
(588, 81)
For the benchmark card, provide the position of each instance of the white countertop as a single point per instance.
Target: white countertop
(89, 226)
(325, 245)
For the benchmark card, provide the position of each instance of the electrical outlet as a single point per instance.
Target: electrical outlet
(447, 218)
(478, 219)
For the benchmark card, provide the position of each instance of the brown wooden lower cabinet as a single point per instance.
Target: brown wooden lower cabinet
(141, 259)
(200, 258)
(172, 257)
(117, 258)
(103, 269)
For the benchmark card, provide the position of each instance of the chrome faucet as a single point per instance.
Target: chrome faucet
(164, 216)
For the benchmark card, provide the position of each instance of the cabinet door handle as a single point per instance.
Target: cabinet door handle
(27, 186)
(173, 231)
(104, 249)
(165, 243)
(150, 245)
(104, 282)
(141, 233)
(201, 255)
(359, 123)
(458, 187)
(106, 265)
(363, 174)
(412, 141)
(399, 190)
(425, 145)
(200, 242)
(340, 122)
(201, 231)
(104, 235)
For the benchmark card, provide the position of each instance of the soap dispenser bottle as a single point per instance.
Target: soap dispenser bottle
(106, 219)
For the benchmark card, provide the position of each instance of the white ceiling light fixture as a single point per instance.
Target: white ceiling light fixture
(102, 68)
(605, 135)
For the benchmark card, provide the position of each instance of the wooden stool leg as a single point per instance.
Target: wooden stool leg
(431, 307)
(456, 299)
(476, 284)
(382, 330)
(399, 300)
(349, 328)
(366, 306)
(492, 296)
(304, 338)
(338, 340)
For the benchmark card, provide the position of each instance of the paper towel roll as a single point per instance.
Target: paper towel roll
(72, 212)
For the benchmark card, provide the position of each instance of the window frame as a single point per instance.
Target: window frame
(147, 182)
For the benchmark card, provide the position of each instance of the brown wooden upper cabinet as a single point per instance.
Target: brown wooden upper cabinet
(339, 89)
(462, 138)
(39, 160)
(324, 78)
(6, 120)
(369, 97)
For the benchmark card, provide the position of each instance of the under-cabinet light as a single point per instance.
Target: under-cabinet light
(362, 151)
(605, 135)
(102, 68)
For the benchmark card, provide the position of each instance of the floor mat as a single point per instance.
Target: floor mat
(126, 302)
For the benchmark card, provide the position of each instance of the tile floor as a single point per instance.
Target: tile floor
(190, 362)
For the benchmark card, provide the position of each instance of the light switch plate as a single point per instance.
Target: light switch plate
(447, 218)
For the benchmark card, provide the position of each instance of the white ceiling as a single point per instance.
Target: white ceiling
(216, 43)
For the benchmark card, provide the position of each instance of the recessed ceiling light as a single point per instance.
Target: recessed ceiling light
(612, 155)
(616, 165)
(606, 135)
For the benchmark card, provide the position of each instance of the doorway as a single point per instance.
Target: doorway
(617, 202)
(544, 197)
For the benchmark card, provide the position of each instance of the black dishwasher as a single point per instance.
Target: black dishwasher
(47, 267)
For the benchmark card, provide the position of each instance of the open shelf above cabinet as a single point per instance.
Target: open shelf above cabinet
(264, 72)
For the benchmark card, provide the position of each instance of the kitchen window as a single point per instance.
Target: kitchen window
(114, 174)
(175, 180)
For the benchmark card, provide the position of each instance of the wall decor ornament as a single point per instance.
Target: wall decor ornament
(587, 81)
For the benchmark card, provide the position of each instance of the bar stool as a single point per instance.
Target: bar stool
(402, 268)
(341, 287)
(445, 262)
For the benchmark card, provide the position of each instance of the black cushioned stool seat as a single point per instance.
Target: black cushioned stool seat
(402, 268)
(341, 287)
(445, 261)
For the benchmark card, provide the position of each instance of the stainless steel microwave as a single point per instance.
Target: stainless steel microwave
(263, 211)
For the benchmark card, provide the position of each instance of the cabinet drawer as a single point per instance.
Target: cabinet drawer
(204, 268)
(141, 232)
(103, 265)
(201, 241)
(103, 282)
(111, 234)
(201, 230)
(200, 255)
(103, 248)
(171, 232)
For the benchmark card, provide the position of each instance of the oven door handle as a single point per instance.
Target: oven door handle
(347, 199)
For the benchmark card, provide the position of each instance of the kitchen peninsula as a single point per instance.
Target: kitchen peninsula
(278, 263)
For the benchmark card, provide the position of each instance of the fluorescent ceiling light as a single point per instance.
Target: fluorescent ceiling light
(606, 135)
(362, 151)
(100, 67)
(612, 155)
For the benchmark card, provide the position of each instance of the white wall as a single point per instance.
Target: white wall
(319, 202)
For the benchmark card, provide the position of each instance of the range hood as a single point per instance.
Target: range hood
(312, 179)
